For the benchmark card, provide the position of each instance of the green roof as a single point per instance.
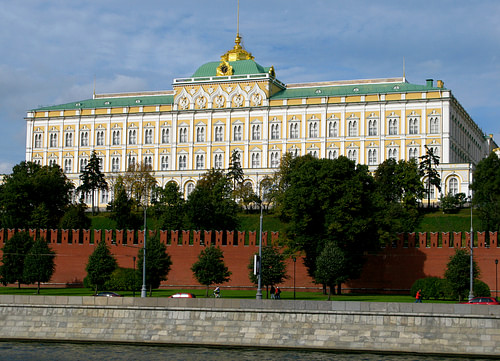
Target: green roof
(240, 67)
(112, 102)
(352, 89)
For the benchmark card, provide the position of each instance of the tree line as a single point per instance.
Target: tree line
(335, 211)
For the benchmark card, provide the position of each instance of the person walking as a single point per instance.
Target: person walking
(273, 291)
(418, 297)
(277, 293)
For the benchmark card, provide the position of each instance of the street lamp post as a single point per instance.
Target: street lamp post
(143, 289)
(133, 284)
(258, 296)
(471, 286)
(496, 278)
(294, 261)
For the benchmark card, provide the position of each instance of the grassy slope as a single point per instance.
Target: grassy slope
(432, 222)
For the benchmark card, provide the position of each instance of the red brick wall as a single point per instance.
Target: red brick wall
(393, 269)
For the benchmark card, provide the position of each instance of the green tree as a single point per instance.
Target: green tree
(428, 164)
(169, 206)
(121, 208)
(39, 264)
(75, 217)
(324, 200)
(92, 178)
(210, 205)
(486, 188)
(399, 190)
(13, 256)
(331, 267)
(100, 266)
(458, 273)
(210, 268)
(34, 196)
(273, 268)
(245, 195)
(158, 263)
(139, 182)
(235, 171)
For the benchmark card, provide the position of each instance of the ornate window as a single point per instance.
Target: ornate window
(392, 153)
(294, 130)
(219, 133)
(131, 161)
(67, 165)
(68, 139)
(200, 134)
(148, 162)
(164, 162)
(333, 129)
(115, 164)
(275, 159)
(332, 154)
(393, 126)
(413, 126)
(256, 132)
(434, 125)
(116, 137)
(413, 153)
(189, 188)
(372, 127)
(352, 154)
(218, 161)
(38, 140)
(101, 164)
(313, 152)
(353, 128)
(83, 163)
(53, 140)
(183, 135)
(237, 132)
(275, 131)
(100, 137)
(372, 156)
(200, 161)
(165, 135)
(255, 160)
(84, 139)
(182, 162)
(313, 129)
(148, 136)
(132, 136)
(104, 196)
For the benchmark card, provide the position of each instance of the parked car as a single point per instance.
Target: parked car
(483, 301)
(183, 295)
(108, 294)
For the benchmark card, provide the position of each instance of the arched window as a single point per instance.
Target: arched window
(182, 162)
(132, 136)
(189, 188)
(53, 139)
(332, 154)
(294, 130)
(115, 164)
(434, 125)
(352, 154)
(148, 136)
(372, 156)
(333, 129)
(353, 128)
(255, 160)
(67, 165)
(68, 142)
(200, 161)
(372, 127)
(165, 135)
(200, 134)
(164, 162)
(453, 186)
(275, 159)
(313, 129)
(413, 126)
(237, 132)
(218, 161)
(219, 133)
(275, 131)
(100, 137)
(116, 137)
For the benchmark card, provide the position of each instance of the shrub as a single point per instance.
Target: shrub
(122, 279)
(432, 287)
(481, 289)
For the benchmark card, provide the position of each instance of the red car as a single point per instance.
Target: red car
(483, 301)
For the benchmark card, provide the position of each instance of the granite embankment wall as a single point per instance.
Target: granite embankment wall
(393, 269)
(449, 329)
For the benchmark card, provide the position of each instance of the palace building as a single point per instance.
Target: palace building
(236, 104)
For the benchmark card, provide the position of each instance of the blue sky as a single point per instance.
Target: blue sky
(51, 51)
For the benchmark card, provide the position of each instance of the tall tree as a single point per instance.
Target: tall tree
(486, 187)
(75, 217)
(428, 164)
(235, 171)
(13, 256)
(210, 268)
(34, 196)
(139, 183)
(169, 206)
(92, 178)
(39, 263)
(331, 267)
(458, 273)
(326, 200)
(100, 266)
(273, 268)
(121, 207)
(210, 205)
(158, 263)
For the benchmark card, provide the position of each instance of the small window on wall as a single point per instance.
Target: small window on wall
(434, 125)
(219, 133)
(372, 127)
(353, 128)
(275, 131)
(237, 132)
(372, 156)
(165, 135)
(218, 161)
(200, 134)
(189, 188)
(275, 159)
(333, 129)
(182, 162)
(68, 142)
(164, 162)
(294, 130)
(393, 126)
(256, 132)
(332, 154)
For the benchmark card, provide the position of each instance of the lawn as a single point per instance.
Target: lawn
(242, 294)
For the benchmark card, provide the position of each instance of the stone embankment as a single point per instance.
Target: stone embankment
(448, 329)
